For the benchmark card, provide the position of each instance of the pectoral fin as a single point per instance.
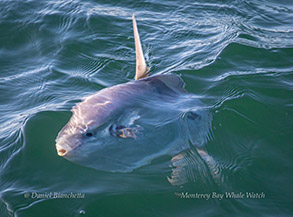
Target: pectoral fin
(128, 133)
(141, 67)
(125, 132)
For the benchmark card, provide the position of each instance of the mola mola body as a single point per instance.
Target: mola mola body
(124, 127)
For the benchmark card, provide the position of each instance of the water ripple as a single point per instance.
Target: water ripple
(235, 55)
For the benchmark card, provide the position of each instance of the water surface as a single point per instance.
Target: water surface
(235, 56)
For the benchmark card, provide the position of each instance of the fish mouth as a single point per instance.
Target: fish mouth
(63, 149)
(66, 150)
(61, 152)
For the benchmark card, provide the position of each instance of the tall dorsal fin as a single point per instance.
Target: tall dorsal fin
(141, 67)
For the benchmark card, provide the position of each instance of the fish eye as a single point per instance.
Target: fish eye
(89, 134)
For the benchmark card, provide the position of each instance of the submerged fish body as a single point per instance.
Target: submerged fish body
(163, 116)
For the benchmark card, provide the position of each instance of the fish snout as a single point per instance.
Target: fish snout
(61, 151)
(65, 146)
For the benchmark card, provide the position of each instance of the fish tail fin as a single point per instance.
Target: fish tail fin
(194, 165)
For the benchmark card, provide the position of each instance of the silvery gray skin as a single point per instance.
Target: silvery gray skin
(120, 128)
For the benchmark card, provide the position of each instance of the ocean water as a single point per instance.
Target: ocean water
(235, 56)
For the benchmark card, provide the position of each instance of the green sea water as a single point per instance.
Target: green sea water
(236, 56)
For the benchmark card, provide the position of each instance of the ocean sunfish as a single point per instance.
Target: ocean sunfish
(126, 126)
